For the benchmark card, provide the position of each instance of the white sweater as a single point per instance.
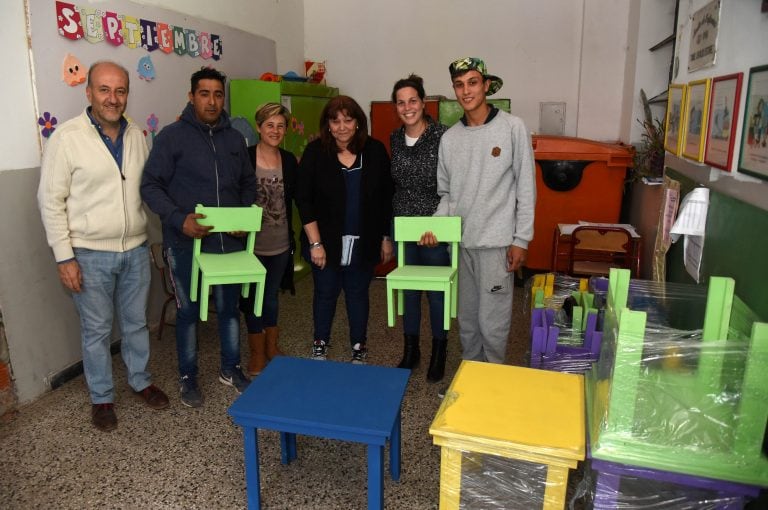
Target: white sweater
(486, 175)
(83, 200)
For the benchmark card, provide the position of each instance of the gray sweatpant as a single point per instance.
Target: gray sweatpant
(485, 304)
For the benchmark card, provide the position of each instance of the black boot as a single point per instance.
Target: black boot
(437, 363)
(411, 353)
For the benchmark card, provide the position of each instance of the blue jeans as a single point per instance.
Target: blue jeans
(354, 280)
(275, 266)
(425, 256)
(113, 282)
(225, 298)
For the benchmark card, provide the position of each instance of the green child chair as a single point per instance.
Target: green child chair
(228, 268)
(435, 278)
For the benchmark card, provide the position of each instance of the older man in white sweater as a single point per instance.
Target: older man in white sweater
(92, 212)
(486, 175)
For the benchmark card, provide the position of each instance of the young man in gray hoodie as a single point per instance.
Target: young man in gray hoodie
(486, 175)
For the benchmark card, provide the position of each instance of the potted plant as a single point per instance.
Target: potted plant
(649, 154)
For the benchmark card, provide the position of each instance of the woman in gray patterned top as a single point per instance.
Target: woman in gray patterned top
(414, 169)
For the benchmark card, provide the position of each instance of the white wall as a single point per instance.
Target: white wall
(654, 22)
(537, 48)
(19, 141)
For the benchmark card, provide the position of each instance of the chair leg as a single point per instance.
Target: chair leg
(168, 301)
(204, 291)
(390, 306)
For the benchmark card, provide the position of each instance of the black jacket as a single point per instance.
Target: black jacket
(321, 197)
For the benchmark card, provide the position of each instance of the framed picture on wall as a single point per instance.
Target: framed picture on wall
(753, 159)
(721, 123)
(674, 119)
(696, 111)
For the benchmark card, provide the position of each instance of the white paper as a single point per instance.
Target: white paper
(692, 219)
(693, 246)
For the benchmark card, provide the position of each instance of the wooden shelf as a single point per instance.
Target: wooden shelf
(663, 43)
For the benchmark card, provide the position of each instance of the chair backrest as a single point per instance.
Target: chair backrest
(447, 229)
(605, 246)
(231, 219)
(158, 259)
(411, 228)
(602, 239)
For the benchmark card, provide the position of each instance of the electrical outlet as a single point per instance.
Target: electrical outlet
(551, 118)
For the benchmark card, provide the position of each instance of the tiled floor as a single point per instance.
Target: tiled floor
(52, 457)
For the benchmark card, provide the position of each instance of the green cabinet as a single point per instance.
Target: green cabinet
(305, 102)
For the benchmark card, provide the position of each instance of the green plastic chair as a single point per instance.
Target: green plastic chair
(228, 268)
(435, 278)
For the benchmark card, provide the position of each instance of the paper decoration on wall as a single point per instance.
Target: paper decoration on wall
(96, 25)
(113, 27)
(297, 126)
(152, 124)
(73, 73)
(164, 37)
(68, 21)
(48, 123)
(92, 25)
(315, 71)
(131, 32)
(146, 68)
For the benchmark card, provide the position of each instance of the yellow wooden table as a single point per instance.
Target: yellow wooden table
(519, 413)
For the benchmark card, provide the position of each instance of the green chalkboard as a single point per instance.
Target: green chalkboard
(736, 245)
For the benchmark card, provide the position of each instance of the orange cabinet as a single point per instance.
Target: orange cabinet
(576, 180)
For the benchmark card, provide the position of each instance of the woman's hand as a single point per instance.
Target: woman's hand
(386, 250)
(317, 255)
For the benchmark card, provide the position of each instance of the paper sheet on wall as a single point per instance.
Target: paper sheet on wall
(692, 222)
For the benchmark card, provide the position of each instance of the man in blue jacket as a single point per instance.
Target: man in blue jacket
(200, 159)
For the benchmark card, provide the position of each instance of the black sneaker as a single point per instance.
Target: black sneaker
(234, 377)
(319, 350)
(190, 393)
(359, 353)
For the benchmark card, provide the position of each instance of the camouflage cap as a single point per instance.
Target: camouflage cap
(463, 65)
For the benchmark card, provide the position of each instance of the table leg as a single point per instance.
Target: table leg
(375, 477)
(252, 484)
(554, 489)
(394, 450)
(450, 478)
(287, 447)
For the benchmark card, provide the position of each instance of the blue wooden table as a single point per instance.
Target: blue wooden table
(359, 403)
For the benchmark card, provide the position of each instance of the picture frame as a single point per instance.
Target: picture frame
(673, 122)
(696, 113)
(753, 156)
(725, 95)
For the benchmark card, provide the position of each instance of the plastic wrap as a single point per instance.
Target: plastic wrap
(673, 397)
(509, 437)
(553, 287)
(565, 322)
(491, 482)
(612, 486)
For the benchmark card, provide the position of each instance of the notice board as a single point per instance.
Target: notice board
(159, 48)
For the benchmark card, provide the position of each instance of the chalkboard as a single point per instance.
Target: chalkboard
(735, 245)
(59, 29)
